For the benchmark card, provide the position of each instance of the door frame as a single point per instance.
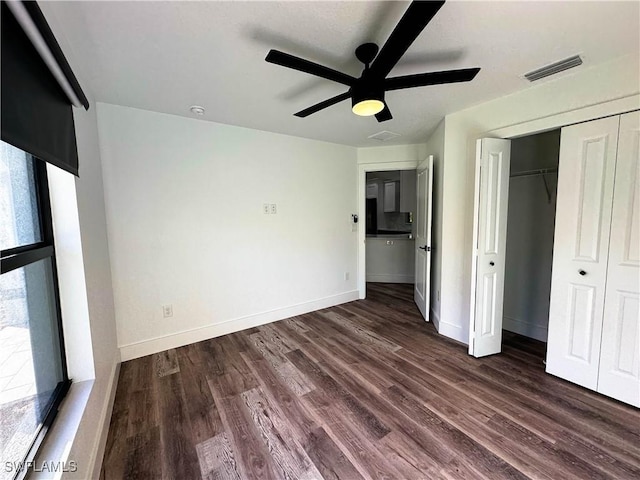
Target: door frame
(533, 127)
(363, 168)
(424, 166)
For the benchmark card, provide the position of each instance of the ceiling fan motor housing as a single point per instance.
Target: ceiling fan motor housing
(367, 90)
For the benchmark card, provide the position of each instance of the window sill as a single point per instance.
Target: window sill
(52, 459)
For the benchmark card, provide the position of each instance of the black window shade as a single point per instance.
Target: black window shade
(37, 115)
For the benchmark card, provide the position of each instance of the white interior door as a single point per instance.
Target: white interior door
(493, 159)
(619, 372)
(580, 250)
(423, 236)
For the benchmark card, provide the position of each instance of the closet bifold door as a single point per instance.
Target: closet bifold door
(619, 375)
(581, 244)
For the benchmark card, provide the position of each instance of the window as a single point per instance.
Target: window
(33, 373)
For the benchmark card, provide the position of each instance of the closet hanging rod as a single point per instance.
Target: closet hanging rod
(529, 173)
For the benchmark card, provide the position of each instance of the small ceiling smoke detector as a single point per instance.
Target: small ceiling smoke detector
(196, 109)
(554, 68)
(383, 136)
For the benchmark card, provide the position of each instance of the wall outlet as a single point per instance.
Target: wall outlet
(274, 209)
(167, 311)
(266, 208)
(346, 276)
(438, 295)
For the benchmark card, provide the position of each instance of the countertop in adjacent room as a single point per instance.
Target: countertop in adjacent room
(395, 236)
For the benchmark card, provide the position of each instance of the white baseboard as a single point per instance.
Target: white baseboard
(179, 339)
(435, 318)
(97, 454)
(452, 331)
(523, 327)
(390, 278)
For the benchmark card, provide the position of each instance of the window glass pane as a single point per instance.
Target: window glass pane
(30, 357)
(18, 199)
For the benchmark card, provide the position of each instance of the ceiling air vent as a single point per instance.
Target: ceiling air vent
(554, 68)
(383, 136)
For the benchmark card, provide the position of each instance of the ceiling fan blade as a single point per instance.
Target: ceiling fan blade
(297, 63)
(417, 16)
(384, 115)
(431, 78)
(319, 106)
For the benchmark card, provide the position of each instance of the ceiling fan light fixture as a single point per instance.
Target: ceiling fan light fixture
(367, 99)
(368, 107)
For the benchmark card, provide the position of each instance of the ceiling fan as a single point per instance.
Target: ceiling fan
(367, 92)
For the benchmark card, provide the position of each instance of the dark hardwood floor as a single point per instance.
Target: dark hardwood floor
(362, 390)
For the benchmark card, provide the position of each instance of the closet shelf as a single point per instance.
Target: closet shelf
(530, 173)
(533, 173)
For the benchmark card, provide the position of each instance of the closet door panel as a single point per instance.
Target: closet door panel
(581, 243)
(490, 239)
(619, 375)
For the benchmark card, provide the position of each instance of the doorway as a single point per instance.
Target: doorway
(533, 181)
(421, 173)
(391, 206)
(527, 186)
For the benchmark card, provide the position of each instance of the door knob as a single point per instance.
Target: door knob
(582, 272)
(491, 263)
(423, 248)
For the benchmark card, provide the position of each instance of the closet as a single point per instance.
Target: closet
(594, 315)
(533, 180)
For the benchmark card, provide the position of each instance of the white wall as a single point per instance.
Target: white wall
(82, 254)
(74, 306)
(91, 436)
(541, 104)
(186, 226)
(435, 147)
(530, 229)
(81, 427)
(392, 154)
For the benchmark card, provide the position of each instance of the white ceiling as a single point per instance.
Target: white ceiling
(167, 56)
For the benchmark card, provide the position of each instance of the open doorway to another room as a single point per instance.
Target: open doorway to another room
(390, 231)
(530, 230)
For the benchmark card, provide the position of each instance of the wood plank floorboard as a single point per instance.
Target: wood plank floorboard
(368, 390)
